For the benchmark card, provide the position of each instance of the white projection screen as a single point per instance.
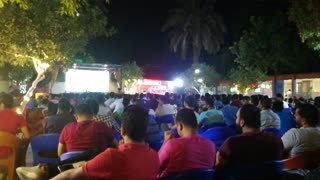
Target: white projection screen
(79, 80)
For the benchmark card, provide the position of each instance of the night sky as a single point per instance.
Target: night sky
(140, 39)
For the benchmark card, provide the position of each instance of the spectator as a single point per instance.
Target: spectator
(229, 112)
(306, 138)
(211, 116)
(153, 133)
(269, 119)
(286, 119)
(189, 103)
(188, 152)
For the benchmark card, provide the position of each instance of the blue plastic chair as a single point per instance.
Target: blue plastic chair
(45, 148)
(117, 136)
(152, 117)
(218, 135)
(197, 174)
(165, 119)
(70, 154)
(288, 110)
(264, 170)
(206, 127)
(273, 130)
(156, 145)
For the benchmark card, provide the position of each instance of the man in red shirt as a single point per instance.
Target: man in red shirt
(188, 152)
(11, 121)
(133, 160)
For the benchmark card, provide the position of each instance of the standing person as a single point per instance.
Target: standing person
(189, 103)
(189, 151)
(133, 160)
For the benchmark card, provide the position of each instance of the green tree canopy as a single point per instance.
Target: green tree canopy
(40, 32)
(195, 23)
(270, 44)
(131, 72)
(305, 14)
(200, 75)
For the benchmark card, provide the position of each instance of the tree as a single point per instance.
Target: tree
(39, 35)
(200, 76)
(194, 23)
(131, 73)
(270, 44)
(305, 14)
(247, 77)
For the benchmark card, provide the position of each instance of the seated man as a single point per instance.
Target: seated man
(306, 138)
(133, 160)
(188, 152)
(251, 146)
(268, 118)
(211, 116)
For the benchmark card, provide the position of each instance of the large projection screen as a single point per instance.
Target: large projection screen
(78, 80)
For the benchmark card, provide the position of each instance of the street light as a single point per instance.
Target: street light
(200, 80)
(197, 71)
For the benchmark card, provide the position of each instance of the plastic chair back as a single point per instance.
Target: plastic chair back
(218, 135)
(264, 170)
(152, 117)
(165, 119)
(197, 174)
(273, 130)
(288, 110)
(45, 148)
(8, 140)
(305, 160)
(70, 154)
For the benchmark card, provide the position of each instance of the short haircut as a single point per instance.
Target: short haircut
(187, 117)
(190, 101)
(317, 101)
(93, 105)
(83, 109)
(153, 104)
(255, 100)
(266, 102)
(7, 100)
(277, 106)
(251, 115)
(279, 95)
(310, 113)
(135, 122)
(52, 108)
(209, 101)
(64, 104)
(226, 101)
(164, 99)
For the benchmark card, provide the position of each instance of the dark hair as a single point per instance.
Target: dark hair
(164, 99)
(64, 105)
(135, 122)
(277, 106)
(52, 108)
(93, 105)
(226, 101)
(209, 101)
(190, 101)
(266, 102)
(279, 95)
(7, 100)
(153, 104)
(100, 98)
(84, 109)
(317, 101)
(310, 113)
(251, 115)
(255, 100)
(187, 117)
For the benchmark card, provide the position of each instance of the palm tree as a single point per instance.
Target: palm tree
(194, 23)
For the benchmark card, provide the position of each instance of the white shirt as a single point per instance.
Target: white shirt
(109, 101)
(300, 140)
(285, 104)
(117, 105)
(269, 119)
(165, 109)
(104, 110)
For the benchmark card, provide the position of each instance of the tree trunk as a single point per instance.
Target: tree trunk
(54, 77)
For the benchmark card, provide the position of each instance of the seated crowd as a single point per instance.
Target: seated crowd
(90, 123)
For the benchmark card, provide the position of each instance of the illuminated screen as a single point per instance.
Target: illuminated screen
(78, 80)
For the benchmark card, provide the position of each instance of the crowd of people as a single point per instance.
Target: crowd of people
(114, 130)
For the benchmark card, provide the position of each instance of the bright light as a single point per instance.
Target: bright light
(197, 71)
(200, 80)
(87, 80)
(263, 86)
(178, 82)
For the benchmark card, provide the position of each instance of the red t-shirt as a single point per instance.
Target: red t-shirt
(86, 135)
(251, 148)
(186, 153)
(130, 161)
(10, 122)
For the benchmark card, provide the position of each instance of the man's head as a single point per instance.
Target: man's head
(277, 106)
(307, 115)
(209, 103)
(6, 101)
(265, 103)
(248, 116)
(186, 120)
(64, 105)
(134, 123)
(279, 97)
(93, 105)
(189, 101)
(83, 112)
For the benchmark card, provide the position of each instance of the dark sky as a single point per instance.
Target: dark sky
(140, 39)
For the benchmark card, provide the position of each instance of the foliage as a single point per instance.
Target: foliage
(21, 73)
(207, 76)
(247, 77)
(39, 32)
(131, 71)
(305, 14)
(194, 23)
(270, 44)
